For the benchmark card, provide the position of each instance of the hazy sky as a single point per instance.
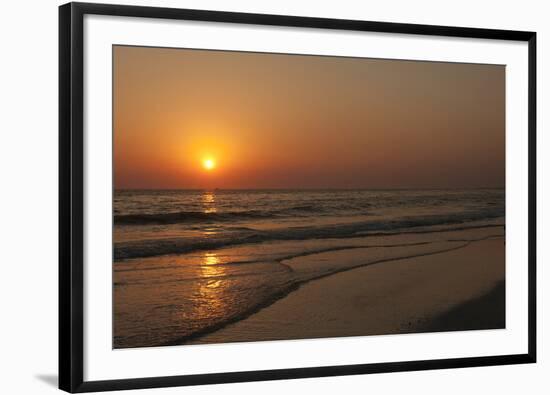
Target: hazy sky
(293, 121)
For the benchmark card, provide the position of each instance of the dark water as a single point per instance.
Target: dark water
(190, 262)
(149, 223)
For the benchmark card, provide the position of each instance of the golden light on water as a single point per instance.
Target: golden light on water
(209, 202)
(211, 258)
(211, 271)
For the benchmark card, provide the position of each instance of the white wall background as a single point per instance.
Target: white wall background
(28, 208)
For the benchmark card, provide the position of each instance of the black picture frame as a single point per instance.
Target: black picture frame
(71, 173)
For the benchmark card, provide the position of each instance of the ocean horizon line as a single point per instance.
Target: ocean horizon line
(310, 189)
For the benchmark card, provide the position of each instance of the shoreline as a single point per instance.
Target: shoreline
(405, 295)
(243, 283)
(190, 339)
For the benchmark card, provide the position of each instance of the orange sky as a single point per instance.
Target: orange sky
(293, 121)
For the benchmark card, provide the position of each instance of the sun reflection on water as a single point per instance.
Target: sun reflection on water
(207, 295)
(209, 202)
(211, 269)
(210, 258)
(210, 231)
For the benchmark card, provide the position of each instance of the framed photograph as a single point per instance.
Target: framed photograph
(253, 197)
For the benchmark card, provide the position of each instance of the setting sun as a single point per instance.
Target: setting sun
(209, 164)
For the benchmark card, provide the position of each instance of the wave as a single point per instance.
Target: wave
(202, 216)
(424, 224)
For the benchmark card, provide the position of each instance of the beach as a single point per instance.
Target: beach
(456, 290)
(361, 197)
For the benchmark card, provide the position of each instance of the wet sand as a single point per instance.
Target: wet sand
(456, 290)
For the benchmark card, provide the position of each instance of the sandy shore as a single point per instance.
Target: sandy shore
(456, 290)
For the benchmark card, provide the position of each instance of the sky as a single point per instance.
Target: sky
(199, 119)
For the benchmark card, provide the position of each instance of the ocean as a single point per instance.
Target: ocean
(189, 262)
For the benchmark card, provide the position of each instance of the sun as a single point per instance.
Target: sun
(209, 164)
